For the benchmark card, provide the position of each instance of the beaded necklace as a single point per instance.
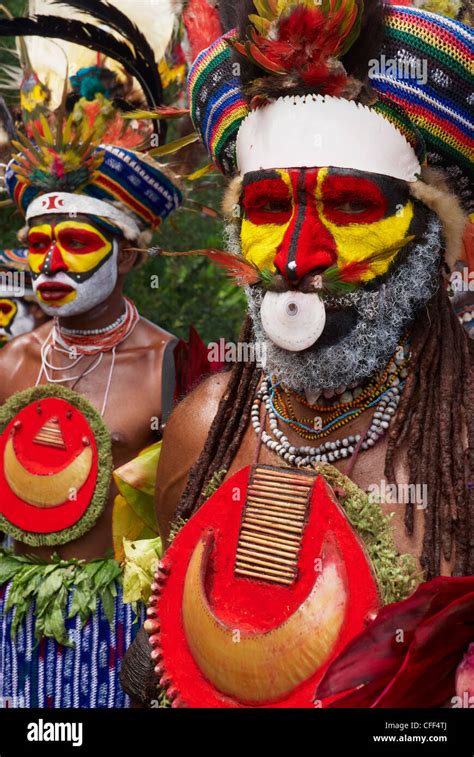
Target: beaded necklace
(77, 344)
(328, 452)
(96, 341)
(338, 414)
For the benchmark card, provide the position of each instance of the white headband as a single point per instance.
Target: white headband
(65, 202)
(316, 131)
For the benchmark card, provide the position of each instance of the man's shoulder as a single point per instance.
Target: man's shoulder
(24, 345)
(148, 335)
(202, 403)
(186, 431)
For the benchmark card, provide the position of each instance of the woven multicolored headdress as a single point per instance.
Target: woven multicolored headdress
(86, 156)
(427, 71)
(294, 68)
(116, 184)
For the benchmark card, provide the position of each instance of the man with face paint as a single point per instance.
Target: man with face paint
(73, 264)
(351, 426)
(81, 395)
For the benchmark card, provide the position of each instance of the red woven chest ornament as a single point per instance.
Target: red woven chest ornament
(258, 593)
(52, 484)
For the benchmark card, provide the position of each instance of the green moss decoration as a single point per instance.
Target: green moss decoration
(162, 701)
(176, 527)
(214, 483)
(104, 471)
(397, 575)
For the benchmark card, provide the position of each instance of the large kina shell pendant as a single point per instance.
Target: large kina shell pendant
(258, 593)
(293, 320)
(55, 466)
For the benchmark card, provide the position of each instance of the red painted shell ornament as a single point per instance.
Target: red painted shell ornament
(258, 593)
(55, 466)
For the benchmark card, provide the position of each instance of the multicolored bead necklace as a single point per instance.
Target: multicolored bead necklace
(338, 414)
(383, 394)
(78, 344)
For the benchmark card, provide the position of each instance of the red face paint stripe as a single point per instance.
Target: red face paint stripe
(90, 241)
(307, 244)
(38, 243)
(56, 263)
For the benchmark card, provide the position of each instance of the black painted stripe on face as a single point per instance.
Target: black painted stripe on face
(79, 278)
(298, 224)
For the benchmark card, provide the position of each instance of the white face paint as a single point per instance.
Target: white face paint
(89, 293)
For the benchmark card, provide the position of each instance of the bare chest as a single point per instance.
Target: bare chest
(122, 390)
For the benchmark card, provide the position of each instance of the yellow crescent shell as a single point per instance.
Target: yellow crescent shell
(263, 666)
(50, 490)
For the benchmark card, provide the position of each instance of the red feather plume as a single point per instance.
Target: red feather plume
(304, 41)
(202, 23)
(236, 268)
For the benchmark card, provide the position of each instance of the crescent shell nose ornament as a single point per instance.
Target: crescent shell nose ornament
(293, 320)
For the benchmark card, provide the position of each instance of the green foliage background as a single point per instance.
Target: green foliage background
(191, 290)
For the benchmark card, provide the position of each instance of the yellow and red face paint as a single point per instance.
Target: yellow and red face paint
(304, 220)
(72, 247)
(8, 312)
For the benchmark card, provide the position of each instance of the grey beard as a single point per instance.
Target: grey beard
(367, 329)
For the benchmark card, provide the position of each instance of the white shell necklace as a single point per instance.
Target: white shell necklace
(330, 451)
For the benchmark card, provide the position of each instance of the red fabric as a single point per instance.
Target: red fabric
(192, 363)
(380, 669)
(256, 605)
(40, 460)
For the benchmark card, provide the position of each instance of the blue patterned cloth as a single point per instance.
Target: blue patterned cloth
(50, 675)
